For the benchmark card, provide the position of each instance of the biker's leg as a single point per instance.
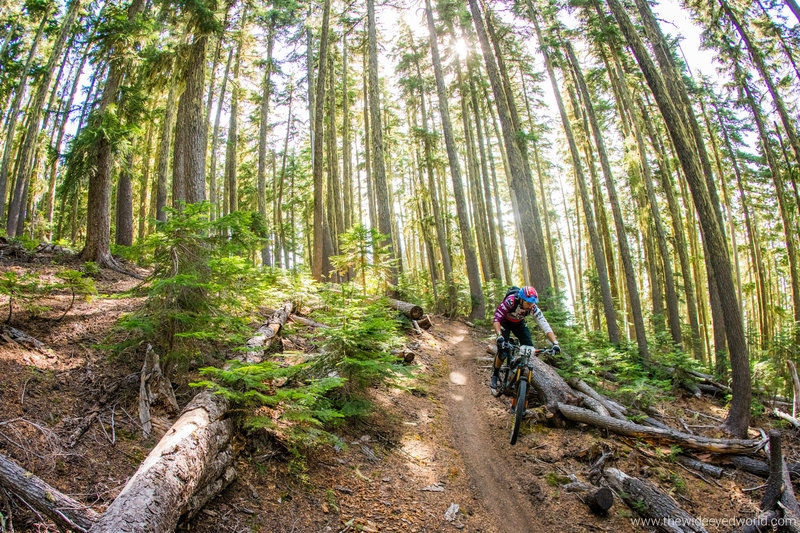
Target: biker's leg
(500, 357)
(521, 332)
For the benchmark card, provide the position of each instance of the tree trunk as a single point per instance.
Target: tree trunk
(681, 246)
(213, 193)
(347, 157)
(664, 253)
(622, 237)
(477, 303)
(162, 157)
(11, 122)
(597, 252)
(441, 236)
(124, 211)
(263, 127)
(190, 108)
(51, 188)
(535, 253)
(376, 138)
(794, 7)
(478, 210)
(317, 154)
(231, 203)
(280, 236)
(739, 415)
(786, 211)
(31, 136)
(758, 61)
(484, 192)
(98, 222)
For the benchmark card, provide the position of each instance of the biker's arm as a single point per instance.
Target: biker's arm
(545, 325)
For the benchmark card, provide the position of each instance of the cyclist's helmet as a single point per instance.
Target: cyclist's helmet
(528, 294)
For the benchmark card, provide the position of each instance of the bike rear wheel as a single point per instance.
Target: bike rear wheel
(519, 409)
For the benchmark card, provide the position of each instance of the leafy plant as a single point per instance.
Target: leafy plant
(78, 286)
(363, 253)
(202, 289)
(23, 290)
(356, 346)
(285, 399)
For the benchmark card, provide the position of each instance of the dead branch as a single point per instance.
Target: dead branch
(622, 427)
(786, 416)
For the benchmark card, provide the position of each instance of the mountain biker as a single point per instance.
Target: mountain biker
(510, 318)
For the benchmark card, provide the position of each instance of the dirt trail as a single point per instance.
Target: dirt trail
(470, 406)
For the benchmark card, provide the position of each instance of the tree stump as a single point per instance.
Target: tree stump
(153, 385)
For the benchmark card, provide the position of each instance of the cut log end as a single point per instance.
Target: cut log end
(600, 501)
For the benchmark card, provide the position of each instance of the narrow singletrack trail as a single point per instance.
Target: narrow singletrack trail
(470, 407)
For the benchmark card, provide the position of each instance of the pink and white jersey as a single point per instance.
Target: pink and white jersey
(506, 311)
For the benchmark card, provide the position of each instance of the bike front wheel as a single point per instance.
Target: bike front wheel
(520, 404)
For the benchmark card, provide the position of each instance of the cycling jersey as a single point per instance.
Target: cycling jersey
(506, 312)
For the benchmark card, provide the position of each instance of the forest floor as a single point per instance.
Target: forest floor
(440, 443)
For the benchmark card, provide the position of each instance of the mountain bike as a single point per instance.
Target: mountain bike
(515, 378)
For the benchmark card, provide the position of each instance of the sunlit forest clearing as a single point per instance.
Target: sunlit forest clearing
(252, 253)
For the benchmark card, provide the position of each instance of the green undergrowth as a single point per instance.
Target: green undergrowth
(205, 298)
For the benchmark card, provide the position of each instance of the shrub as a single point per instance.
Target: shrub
(202, 288)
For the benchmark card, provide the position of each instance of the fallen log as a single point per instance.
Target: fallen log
(709, 380)
(593, 404)
(779, 491)
(650, 502)
(306, 321)
(190, 465)
(295, 318)
(795, 387)
(582, 386)
(425, 322)
(267, 333)
(704, 468)
(412, 311)
(550, 387)
(180, 465)
(684, 440)
(23, 340)
(779, 485)
(64, 511)
(767, 521)
(760, 468)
